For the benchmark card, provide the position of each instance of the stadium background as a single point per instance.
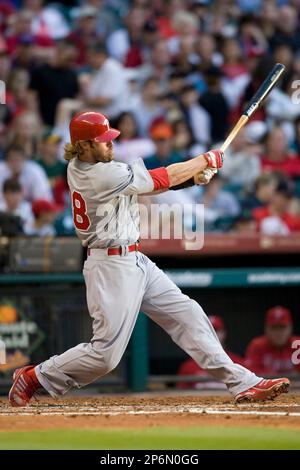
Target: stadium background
(173, 76)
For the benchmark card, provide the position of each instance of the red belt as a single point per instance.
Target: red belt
(119, 250)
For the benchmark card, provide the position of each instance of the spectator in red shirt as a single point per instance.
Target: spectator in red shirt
(275, 219)
(271, 354)
(20, 32)
(124, 44)
(7, 8)
(85, 32)
(190, 367)
(277, 156)
(234, 65)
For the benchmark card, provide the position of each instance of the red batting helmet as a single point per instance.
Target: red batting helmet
(88, 125)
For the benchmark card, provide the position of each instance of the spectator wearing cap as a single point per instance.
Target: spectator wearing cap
(276, 219)
(190, 367)
(109, 15)
(162, 135)
(31, 176)
(85, 31)
(277, 156)
(13, 202)
(48, 157)
(45, 213)
(57, 80)
(149, 38)
(271, 353)
(242, 164)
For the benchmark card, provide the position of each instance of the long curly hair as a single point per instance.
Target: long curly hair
(72, 150)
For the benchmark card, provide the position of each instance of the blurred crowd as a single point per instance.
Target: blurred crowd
(173, 76)
(274, 353)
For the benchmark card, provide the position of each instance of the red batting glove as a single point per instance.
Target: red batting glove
(214, 158)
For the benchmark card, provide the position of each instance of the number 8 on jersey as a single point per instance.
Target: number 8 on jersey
(80, 217)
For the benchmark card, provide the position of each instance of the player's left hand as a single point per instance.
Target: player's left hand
(214, 158)
(205, 176)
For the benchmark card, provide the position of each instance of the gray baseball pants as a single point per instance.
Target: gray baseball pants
(118, 287)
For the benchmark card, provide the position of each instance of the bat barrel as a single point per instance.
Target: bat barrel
(264, 89)
(255, 102)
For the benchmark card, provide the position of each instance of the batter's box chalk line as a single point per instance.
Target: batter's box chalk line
(261, 410)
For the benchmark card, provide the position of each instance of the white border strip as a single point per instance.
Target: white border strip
(203, 411)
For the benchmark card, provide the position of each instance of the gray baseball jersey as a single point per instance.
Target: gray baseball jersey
(120, 286)
(104, 201)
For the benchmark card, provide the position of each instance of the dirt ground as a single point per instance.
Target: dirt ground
(131, 411)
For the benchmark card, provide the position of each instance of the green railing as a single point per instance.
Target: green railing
(200, 278)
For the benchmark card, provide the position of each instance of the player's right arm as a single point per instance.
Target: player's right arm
(115, 178)
(198, 170)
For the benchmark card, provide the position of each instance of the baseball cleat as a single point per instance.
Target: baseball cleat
(266, 389)
(24, 386)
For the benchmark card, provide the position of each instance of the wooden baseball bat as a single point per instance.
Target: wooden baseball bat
(255, 102)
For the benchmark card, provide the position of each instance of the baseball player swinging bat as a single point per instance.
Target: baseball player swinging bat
(120, 279)
(256, 101)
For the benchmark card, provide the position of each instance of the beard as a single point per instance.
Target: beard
(105, 156)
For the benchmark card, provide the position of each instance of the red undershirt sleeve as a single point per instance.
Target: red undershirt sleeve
(160, 178)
